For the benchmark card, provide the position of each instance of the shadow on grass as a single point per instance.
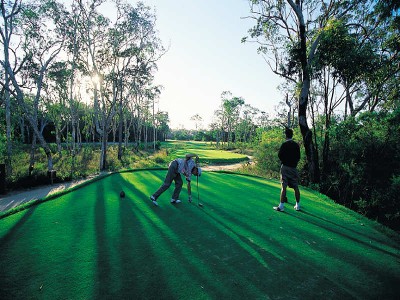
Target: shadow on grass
(194, 248)
(104, 281)
(225, 250)
(342, 233)
(346, 228)
(12, 232)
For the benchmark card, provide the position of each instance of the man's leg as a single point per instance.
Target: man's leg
(280, 207)
(283, 193)
(297, 194)
(178, 187)
(167, 181)
(284, 183)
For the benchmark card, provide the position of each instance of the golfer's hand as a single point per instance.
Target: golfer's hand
(190, 198)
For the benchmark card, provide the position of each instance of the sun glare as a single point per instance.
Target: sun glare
(96, 79)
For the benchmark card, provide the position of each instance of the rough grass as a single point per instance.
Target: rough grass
(85, 163)
(92, 244)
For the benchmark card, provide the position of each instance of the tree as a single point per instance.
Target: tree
(245, 129)
(290, 31)
(228, 114)
(197, 119)
(41, 35)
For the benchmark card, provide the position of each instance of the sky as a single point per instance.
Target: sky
(206, 57)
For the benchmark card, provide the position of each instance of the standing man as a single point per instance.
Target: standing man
(289, 155)
(186, 167)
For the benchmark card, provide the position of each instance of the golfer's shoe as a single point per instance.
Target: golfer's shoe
(173, 201)
(297, 207)
(277, 208)
(152, 199)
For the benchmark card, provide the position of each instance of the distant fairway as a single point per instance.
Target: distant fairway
(91, 244)
(207, 153)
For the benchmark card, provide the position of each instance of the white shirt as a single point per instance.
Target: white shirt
(185, 167)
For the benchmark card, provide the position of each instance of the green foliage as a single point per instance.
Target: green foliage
(266, 152)
(364, 165)
(68, 167)
(3, 143)
(181, 134)
(359, 59)
(161, 157)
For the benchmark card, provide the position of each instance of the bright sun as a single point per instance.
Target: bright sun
(96, 79)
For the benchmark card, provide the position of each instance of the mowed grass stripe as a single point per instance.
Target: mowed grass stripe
(91, 244)
(206, 151)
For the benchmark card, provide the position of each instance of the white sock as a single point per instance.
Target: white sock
(281, 205)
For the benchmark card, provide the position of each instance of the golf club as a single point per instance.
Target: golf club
(198, 196)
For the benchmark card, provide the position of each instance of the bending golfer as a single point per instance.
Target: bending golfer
(289, 155)
(186, 167)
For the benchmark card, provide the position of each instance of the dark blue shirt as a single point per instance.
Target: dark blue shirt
(289, 153)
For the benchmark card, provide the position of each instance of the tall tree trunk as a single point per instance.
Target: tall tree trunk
(32, 156)
(8, 125)
(120, 128)
(103, 155)
(58, 141)
(311, 151)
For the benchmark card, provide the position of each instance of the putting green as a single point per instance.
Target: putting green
(92, 244)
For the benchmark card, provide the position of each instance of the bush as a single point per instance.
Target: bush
(364, 165)
(266, 153)
(85, 163)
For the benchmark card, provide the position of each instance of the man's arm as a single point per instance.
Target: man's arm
(190, 155)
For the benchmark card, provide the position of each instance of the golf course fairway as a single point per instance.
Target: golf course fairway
(91, 244)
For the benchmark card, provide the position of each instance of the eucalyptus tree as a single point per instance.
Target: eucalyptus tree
(136, 48)
(123, 65)
(197, 119)
(246, 126)
(359, 57)
(140, 49)
(57, 100)
(154, 96)
(8, 14)
(94, 56)
(289, 33)
(161, 124)
(72, 48)
(367, 67)
(228, 114)
(32, 36)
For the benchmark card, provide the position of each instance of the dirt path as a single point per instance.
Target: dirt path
(16, 198)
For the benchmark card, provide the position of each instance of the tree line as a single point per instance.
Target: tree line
(337, 57)
(88, 76)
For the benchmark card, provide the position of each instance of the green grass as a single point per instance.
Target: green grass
(207, 152)
(91, 244)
